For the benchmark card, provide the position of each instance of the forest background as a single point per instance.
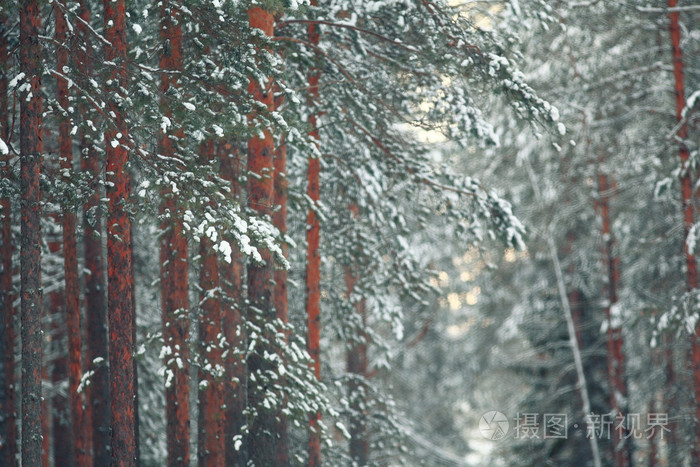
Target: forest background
(294, 233)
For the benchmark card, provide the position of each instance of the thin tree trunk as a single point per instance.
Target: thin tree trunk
(262, 436)
(46, 415)
(174, 266)
(70, 259)
(8, 421)
(119, 258)
(313, 257)
(687, 204)
(235, 394)
(568, 317)
(357, 370)
(96, 414)
(279, 293)
(30, 253)
(60, 411)
(211, 445)
(615, 357)
(97, 410)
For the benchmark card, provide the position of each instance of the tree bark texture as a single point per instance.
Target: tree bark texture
(687, 205)
(211, 445)
(615, 357)
(279, 293)
(120, 281)
(97, 410)
(70, 260)
(262, 449)
(174, 264)
(30, 252)
(60, 409)
(235, 391)
(8, 419)
(313, 257)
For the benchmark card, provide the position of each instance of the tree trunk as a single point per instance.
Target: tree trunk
(687, 205)
(211, 446)
(615, 357)
(46, 414)
(569, 318)
(70, 259)
(313, 258)
(357, 371)
(119, 258)
(8, 421)
(263, 431)
(235, 393)
(60, 412)
(279, 293)
(174, 267)
(97, 410)
(30, 254)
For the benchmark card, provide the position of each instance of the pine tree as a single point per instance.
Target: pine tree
(119, 249)
(235, 381)
(687, 203)
(211, 440)
(97, 410)
(280, 276)
(8, 424)
(174, 261)
(263, 438)
(313, 255)
(77, 444)
(30, 252)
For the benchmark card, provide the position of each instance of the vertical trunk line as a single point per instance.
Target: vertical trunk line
(568, 317)
(60, 428)
(357, 367)
(120, 279)
(263, 431)
(70, 259)
(97, 411)
(313, 255)
(8, 423)
(174, 263)
(687, 206)
(211, 440)
(30, 251)
(235, 394)
(279, 294)
(615, 357)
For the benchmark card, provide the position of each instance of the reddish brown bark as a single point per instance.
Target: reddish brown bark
(174, 266)
(60, 416)
(262, 448)
(615, 357)
(97, 410)
(687, 205)
(30, 252)
(211, 445)
(279, 293)
(313, 258)
(357, 369)
(119, 257)
(77, 440)
(8, 421)
(235, 393)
